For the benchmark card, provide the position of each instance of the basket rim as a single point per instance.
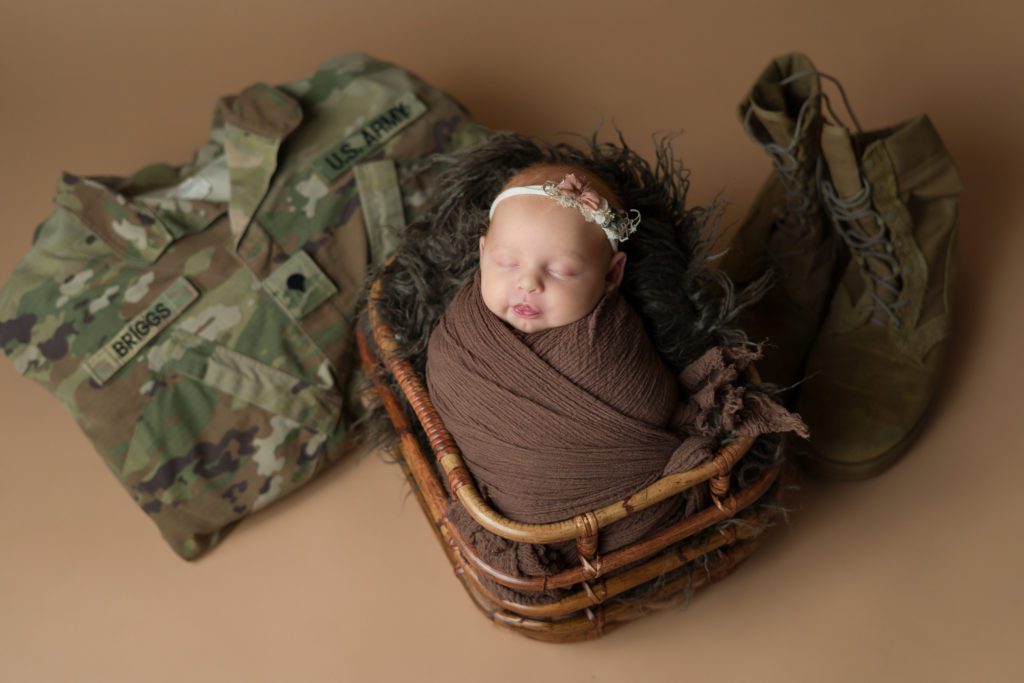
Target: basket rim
(638, 550)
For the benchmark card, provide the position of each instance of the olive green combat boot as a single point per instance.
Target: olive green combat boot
(786, 232)
(892, 196)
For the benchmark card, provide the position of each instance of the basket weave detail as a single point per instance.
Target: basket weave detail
(600, 597)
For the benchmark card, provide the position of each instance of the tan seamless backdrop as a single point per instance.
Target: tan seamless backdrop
(912, 576)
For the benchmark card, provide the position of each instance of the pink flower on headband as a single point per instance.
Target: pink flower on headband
(581, 191)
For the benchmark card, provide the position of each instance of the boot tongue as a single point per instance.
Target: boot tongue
(777, 123)
(777, 106)
(842, 163)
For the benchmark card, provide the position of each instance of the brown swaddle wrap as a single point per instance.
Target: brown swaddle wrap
(568, 419)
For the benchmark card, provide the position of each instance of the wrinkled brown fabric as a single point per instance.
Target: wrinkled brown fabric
(569, 419)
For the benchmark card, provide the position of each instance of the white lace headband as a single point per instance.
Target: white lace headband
(580, 195)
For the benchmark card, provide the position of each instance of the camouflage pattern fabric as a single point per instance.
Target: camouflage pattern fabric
(197, 319)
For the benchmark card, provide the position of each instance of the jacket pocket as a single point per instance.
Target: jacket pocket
(222, 435)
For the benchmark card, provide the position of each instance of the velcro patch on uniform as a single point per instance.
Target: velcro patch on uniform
(374, 133)
(141, 330)
(299, 285)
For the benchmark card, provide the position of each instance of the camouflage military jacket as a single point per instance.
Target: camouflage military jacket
(196, 319)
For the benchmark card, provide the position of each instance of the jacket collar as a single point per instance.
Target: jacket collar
(250, 128)
(255, 122)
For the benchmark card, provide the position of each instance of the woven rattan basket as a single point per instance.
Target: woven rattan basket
(662, 569)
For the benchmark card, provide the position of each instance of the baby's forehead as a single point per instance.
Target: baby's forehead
(573, 246)
(546, 248)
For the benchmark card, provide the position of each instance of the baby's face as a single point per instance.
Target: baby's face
(542, 265)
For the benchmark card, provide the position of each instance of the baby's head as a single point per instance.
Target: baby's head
(546, 260)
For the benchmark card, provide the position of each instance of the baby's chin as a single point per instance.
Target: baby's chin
(526, 326)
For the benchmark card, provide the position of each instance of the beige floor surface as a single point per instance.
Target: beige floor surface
(913, 576)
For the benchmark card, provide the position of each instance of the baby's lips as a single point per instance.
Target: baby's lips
(525, 311)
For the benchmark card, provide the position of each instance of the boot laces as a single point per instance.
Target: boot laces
(801, 194)
(801, 199)
(856, 211)
(825, 97)
(852, 217)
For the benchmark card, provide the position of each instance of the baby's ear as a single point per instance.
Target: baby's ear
(483, 238)
(613, 278)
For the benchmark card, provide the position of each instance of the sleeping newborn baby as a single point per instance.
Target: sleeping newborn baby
(557, 398)
(541, 370)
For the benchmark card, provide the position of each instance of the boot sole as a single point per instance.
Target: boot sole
(843, 471)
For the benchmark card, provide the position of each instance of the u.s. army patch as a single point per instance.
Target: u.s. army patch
(375, 132)
(141, 330)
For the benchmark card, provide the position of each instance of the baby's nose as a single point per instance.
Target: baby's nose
(530, 282)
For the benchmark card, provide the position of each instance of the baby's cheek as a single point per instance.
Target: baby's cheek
(586, 298)
(492, 300)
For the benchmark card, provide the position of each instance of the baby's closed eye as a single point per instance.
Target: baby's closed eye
(564, 268)
(562, 272)
(505, 261)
